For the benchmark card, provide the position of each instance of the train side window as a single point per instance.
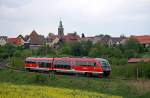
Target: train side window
(44, 64)
(62, 64)
(85, 63)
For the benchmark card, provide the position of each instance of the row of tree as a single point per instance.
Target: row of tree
(116, 54)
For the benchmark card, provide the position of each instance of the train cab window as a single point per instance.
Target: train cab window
(62, 64)
(85, 63)
(105, 64)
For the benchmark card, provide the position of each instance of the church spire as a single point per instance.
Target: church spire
(60, 29)
(60, 24)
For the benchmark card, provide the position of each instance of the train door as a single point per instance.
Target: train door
(97, 68)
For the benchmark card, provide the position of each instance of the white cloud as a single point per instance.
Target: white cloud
(89, 16)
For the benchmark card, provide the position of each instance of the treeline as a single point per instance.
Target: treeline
(117, 55)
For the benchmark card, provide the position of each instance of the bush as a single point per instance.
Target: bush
(139, 70)
(41, 79)
(44, 51)
(144, 69)
(118, 61)
(26, 53)
(17, 53)
(17, 62)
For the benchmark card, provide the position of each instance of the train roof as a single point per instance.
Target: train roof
(68, 58)
(38, 58)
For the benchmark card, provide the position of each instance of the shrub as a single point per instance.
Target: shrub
(118, 61)
(17, 53)
(26, 53)
(17, 62)
(138, 70)
(41, 79)
(144, 69)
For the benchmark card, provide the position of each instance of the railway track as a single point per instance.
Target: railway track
(4, 65)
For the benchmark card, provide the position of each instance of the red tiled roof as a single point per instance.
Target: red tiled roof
(136, 60)
(143, 39)
(15, 41)
(71, 37)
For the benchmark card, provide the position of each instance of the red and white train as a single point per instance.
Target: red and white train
(88, 66)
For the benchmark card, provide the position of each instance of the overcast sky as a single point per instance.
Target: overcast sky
(91, 17)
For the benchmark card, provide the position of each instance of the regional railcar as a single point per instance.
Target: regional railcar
(88, 66)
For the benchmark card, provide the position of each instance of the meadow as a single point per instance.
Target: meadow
(16, 84)
(31, 91)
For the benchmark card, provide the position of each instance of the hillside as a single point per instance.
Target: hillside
(29, 85)
(32, 91)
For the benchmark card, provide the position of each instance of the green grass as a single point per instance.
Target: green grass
(13, 83)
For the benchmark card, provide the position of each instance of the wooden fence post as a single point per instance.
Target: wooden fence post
(137, 73)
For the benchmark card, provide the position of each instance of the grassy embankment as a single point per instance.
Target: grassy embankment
(30, 91)
(29, 85)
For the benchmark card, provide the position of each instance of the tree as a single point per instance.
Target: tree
(17, 53)
(8, 50)
(132, 48)
(50, 34)
(44, 51)
(83, 36)
(99, 50)
(26, 53)
(20, 36)
(17, 62)
(76, 49)
(65, 49)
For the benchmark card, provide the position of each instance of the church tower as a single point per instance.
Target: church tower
(60, 30)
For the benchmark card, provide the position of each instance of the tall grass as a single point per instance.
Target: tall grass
(75, 84)
(8, 90)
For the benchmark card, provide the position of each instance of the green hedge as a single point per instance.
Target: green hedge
(138, 70)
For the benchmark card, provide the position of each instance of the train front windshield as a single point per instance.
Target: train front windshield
(105, 65)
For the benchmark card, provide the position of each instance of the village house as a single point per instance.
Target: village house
(15, 41)
(105, 39)
(87, 39)
(143, 40)
(3, 40)
(52, 39)
(71, 37)
(117, 40)
(34, 40)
